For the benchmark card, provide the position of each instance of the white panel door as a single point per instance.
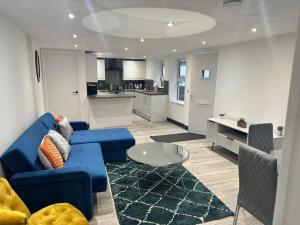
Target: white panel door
(202, 92)
(60, 70)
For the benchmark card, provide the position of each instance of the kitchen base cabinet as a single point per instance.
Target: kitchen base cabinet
(151, 107)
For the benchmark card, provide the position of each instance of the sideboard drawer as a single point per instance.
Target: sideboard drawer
(228, 143)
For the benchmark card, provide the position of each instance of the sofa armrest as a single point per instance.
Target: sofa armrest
(79, 125)
(42, 188)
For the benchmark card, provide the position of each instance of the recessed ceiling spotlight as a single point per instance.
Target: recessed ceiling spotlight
(204, 42)
(174, 50)
(142, 40)
(75, 36)
(144, 56)
(126, 49)
(254, 30)
(71, 16)
(170, 24)
(232, 2)
(76, 46)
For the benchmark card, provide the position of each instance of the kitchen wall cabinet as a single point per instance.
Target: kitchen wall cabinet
(101, 69)
(154, 70)
(134, 70)
(91, 67)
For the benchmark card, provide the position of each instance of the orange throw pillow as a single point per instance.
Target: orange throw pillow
(58, 118)
(49, 155)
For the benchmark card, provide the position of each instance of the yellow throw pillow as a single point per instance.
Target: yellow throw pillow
(10, 217)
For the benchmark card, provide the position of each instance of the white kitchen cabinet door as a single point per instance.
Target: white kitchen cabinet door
(101, 69)
(91, 67)
(138, 102)
(147, 105)
(134, 70)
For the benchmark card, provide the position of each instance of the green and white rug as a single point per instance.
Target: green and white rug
(161, 203)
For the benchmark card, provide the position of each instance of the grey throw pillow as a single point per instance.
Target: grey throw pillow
(65, 129)
(61, 144)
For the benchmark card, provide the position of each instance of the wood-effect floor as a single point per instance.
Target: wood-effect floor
(216, 169)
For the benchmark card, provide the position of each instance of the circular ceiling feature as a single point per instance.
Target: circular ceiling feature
(149, 23)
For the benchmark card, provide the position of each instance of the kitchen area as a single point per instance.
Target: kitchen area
(119, 88)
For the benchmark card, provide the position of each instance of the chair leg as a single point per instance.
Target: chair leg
(236, 215)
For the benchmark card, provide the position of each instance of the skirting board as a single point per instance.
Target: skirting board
(178, 123)
(111, 122)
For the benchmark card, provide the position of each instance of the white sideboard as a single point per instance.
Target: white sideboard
(225, 132)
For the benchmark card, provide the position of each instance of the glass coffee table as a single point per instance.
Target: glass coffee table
(156, 154)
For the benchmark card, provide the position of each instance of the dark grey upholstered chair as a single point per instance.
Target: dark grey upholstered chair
(258, 184)
(260, 136)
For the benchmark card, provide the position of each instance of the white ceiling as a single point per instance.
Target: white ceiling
(140, 23)
(47, 21)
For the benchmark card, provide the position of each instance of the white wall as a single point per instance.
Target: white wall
(38, 86)
(17, 96)
(253, 80)
(288, 192)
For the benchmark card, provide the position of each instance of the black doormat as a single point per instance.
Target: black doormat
(184, 202)
(169, 138)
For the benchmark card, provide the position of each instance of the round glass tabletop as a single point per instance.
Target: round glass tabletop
(158, 154)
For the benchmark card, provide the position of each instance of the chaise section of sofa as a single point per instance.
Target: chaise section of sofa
(114, 142)
(83, 174)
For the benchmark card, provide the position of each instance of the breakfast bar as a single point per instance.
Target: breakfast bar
(110, 109)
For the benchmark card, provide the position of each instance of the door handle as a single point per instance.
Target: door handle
(229, 138)
(74, 92)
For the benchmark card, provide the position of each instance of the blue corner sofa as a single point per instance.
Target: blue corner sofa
(83, 174)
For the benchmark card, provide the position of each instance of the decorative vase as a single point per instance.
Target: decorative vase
(242, 124)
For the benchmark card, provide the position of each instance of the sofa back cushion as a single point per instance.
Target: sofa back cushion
(49, 121)
(22, 155)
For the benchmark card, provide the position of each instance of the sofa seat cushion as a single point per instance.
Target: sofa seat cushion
(89, 157)
(109, 139)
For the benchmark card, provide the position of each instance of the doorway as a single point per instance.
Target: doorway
(60, 71)
(202, 90)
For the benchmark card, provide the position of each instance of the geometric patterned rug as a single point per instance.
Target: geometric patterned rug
(184, 202)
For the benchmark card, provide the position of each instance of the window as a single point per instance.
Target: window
(181, 80)
(101, 69)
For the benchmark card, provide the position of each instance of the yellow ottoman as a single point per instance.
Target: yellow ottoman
(13, 211)
(58, 214)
